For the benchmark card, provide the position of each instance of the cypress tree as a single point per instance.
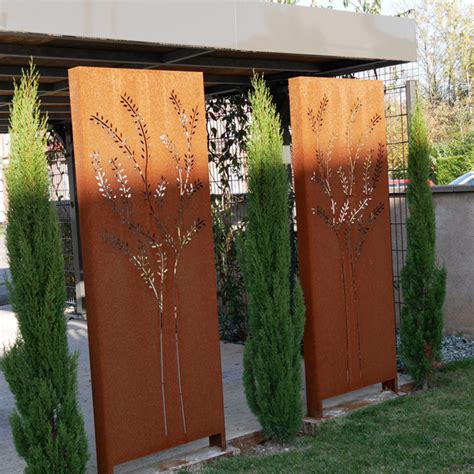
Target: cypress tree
(47, 427)
(423, 282)
(272, 356)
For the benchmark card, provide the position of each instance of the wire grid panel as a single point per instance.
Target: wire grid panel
(397, 149)
(60, 196)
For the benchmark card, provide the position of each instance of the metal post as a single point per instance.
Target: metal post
(411, 88)
(76, 242)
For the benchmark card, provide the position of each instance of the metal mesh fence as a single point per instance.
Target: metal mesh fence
(397, 149)
(59, 194)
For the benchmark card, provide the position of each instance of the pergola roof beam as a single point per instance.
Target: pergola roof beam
(234, 80)
(7, 87)
(348, 68)
(253, 63)
(334, 68)
(185, 57)
(53, 109)
(45, 72)
(238, 25)
(226, 41)
(46, 100)
(77, 54)
(104, 56)
(66, 112)
(221, 90)
(182, 54)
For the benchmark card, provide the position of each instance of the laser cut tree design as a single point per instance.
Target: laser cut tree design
(156, 252)
(349, 191)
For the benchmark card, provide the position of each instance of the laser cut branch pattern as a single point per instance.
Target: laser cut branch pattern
(351, 210)
(349, 217)
(159, 250)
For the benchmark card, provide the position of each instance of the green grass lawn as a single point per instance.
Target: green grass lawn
(423, 432)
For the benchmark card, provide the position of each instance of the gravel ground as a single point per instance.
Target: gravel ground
(454, 348)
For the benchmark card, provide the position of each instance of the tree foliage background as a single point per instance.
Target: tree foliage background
(446, 61)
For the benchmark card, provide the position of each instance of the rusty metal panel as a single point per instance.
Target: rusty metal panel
(144, 208)
(341, 185)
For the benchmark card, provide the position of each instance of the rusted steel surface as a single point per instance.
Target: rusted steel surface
(144, 207)
(340, 167)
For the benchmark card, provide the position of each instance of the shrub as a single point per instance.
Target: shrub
(272, 357)
(47, 427)
(453, 159)
(456, 146)
(423, 283)
(448, 168)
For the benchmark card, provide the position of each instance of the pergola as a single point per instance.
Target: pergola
(227, 40)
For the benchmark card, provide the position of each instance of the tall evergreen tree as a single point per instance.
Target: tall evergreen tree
(423, 282)
(272, 357)
(47, 426)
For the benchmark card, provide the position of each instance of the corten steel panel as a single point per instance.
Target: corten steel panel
(144, 207)
(340, 166)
